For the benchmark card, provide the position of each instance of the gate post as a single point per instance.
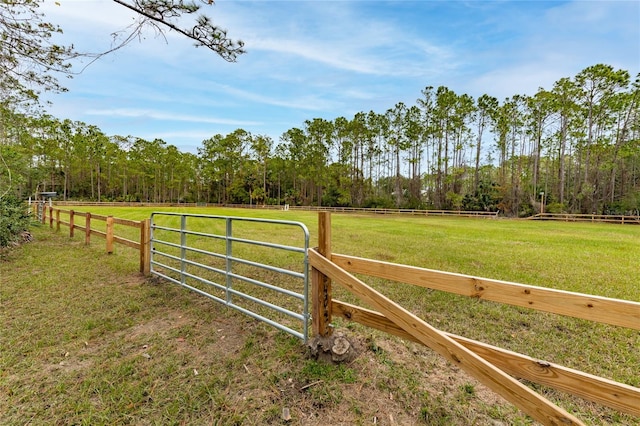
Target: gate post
(320, 283)
(109, 235)
(87, 229)
(145, 254)
(71, 223)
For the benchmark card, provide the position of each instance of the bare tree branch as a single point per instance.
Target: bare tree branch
(30, 60)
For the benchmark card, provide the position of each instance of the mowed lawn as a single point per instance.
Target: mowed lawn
(101, 332)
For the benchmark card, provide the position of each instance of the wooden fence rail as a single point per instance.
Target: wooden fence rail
(142, 245)
(328, 268)
(618, 312)
(608, 218)
(568, 217)
(372, 210)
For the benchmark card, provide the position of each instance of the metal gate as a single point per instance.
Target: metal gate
(226, 259)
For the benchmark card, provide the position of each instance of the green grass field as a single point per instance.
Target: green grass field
(583, 257)
(78, 319)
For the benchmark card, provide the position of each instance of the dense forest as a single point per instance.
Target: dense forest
(575, 145)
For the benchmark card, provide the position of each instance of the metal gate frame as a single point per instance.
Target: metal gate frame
(157, 254)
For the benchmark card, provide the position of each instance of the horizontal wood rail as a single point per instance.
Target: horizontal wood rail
(142, 245)
(569, 217)
(617, 312)
(127, 204)
(608, 218)
(369, 210)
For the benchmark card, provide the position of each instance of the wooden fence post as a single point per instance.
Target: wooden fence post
(57, 220)
(109, 235)
(71, 214)
(320, 283)
(87, 229)
(44, 213)
(50, 217)
(145, 254)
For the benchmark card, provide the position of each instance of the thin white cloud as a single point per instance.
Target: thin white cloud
(421, 60)
(317, 53)
(307, 102)
(341, 35)
(164, 116)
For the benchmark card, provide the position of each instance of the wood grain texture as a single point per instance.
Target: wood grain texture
(126, 242)
(320, 283)
(491, 376)
(109, 234)
(617, 312)
(127, 222)
(145, 247)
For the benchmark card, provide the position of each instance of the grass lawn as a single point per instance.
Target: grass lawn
(86, 340)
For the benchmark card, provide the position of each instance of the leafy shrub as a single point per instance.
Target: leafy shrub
(555, 208)
(13, 220)
(379, 203)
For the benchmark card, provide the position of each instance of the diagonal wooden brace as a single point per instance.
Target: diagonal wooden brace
(491, 376)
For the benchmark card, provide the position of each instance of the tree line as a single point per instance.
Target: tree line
(574, 147)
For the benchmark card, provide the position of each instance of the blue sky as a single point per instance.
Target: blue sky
(308, 59)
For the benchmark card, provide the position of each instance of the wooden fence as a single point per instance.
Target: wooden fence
(89, 227)
(610, 218)
(127, 204)
(567, 217)
(495, 367)
(373, 210)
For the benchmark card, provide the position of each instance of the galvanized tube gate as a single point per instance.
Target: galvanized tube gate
(221, 257)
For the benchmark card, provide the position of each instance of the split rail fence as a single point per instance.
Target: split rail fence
(609, 218)
(495, 367)
(87, 224)
(372, 210)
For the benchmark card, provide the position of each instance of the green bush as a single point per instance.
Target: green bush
(13, 220)
(379, 203)
(555, 208)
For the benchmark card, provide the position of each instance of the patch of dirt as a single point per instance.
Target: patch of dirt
(134, 280)
(162, 326)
